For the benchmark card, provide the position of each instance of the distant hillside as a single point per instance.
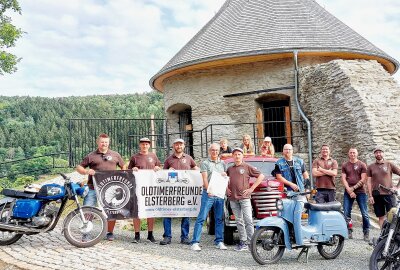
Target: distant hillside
(37, 125)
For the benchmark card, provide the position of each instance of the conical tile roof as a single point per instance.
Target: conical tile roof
(246, 28)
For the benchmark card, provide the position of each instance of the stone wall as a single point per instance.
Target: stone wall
(352, 103)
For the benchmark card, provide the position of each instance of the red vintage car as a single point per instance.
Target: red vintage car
(263, 199)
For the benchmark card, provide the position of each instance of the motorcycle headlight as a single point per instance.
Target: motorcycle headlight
(279, 205)
(392, 212)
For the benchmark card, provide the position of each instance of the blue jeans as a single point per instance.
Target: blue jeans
(206, 204)
(185, 224)
(362, 201)
(90, 199)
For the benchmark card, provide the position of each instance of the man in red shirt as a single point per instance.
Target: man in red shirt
(324, 169)
(178, 161)
(101, 159)
(144, 160)
(380, 173)
(239, 192)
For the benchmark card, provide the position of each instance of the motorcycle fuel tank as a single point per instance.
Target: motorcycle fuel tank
(51, 192)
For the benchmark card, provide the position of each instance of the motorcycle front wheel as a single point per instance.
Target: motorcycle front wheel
(267, 245)
(7, 237)
(391, 261)
(87, 234)
(332, 249)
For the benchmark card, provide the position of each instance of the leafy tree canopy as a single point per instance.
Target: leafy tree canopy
(9, 34)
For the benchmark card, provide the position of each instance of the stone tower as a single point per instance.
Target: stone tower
(241, 68)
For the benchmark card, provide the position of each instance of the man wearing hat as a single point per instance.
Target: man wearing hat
(267, 148)
(380, 172)
(178, 161)
(239, 192)
(144, 160)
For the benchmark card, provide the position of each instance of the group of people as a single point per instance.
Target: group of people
(266, 148)
(357, 179)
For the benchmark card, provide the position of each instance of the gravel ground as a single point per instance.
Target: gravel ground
(355, 254)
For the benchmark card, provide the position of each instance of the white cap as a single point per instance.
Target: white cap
(179, 141)
(267, 139)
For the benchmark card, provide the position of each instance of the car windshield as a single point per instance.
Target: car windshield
(265, 167)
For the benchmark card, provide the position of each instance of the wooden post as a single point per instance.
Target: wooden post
(260, 128)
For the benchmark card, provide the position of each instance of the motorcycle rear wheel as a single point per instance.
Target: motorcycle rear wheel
(267, 245)
(377, 261)
(331, 251)
(85, 235)
(7, 237)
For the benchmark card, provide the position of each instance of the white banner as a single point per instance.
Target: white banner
(168, 193)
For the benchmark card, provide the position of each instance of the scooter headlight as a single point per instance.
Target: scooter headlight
(279, 205)
(392, 212)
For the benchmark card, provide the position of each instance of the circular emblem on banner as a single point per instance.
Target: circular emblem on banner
(115, 195)
(241, 171)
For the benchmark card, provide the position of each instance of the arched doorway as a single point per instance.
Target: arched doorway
(274, 111)
(180, 124)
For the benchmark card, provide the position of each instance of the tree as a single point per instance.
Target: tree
(9, 34)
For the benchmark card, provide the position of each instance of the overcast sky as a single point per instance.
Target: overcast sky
(92, 47)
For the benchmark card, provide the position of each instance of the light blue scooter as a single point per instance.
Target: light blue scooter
(325, 227)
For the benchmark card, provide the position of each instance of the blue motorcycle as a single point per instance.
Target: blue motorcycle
(33, 212)
(300, 224)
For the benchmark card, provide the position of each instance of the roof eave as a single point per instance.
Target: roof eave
(156, 82)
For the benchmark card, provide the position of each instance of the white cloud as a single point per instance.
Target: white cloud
(100, 47)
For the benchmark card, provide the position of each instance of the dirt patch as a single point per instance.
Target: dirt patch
(5, 266)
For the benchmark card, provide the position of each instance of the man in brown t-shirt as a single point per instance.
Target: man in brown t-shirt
(144, 160)
(178, 161)
(354, 179)
(380, 173)
(239, 192)
(102, 159)
(324, 169)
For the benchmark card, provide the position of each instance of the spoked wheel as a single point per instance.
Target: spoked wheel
(390, 262)
(332, 249)
(267, 245)
(7, 237)
(87, 234)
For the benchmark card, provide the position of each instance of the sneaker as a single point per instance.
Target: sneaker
(136, 240)
(221, 246)
(185, 241)
(366, 236)
(110, 236)
(195, 247)
(152, 240)
(165, 241)
(242, 246)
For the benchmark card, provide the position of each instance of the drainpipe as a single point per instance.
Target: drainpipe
(303, 115)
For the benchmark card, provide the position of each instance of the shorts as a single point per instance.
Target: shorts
(383, 203)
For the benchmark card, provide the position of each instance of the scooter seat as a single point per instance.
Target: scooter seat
(17, 194)
(329, 206)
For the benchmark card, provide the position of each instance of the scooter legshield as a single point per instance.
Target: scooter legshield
(277, 222)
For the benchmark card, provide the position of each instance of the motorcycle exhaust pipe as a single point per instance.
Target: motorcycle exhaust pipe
(18, 229)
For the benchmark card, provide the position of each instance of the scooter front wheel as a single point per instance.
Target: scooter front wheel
(332, 249)
(267, 245)
(7, 237)
(85, 234)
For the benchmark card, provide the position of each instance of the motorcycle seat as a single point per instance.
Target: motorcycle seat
(17, 194)
(329, 206)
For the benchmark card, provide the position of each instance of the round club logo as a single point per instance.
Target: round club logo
(115, 195)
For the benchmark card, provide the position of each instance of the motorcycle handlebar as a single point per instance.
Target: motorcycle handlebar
(64, 176)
